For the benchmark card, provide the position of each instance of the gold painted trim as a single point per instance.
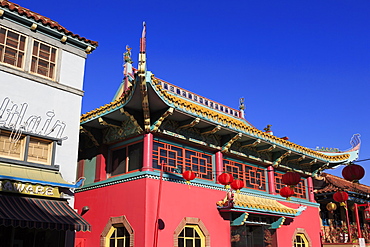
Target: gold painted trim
(88, 49)
(33, 26)
(159, 122)
(63, 39)
(132, 118)
(226, 121)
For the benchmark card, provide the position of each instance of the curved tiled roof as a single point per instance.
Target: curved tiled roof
(334, 183)
(257, 203)
(218, 117)
(44, 20)
(240, 125)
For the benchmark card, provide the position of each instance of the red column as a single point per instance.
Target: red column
(80, 169)
(358, 221)
(271, 180)
(348, 224)
(101, 165)
(219, 163)
(148, 152)
(311, 196)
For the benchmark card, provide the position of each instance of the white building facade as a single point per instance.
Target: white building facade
(41, 79)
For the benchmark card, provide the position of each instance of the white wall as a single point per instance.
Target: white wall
(40, 99)
(72, 70)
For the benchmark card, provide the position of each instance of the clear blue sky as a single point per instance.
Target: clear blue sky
(302, 66)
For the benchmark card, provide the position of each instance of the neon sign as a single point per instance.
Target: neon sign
(12, 116)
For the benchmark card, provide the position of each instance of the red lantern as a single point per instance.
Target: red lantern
(291, 178)
(287, 192)
(367, 213)
(353, 172)
(341, 197)
(225, 179)
(237, 184)
(188, 175)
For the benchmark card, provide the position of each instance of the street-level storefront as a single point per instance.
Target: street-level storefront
(33, 214)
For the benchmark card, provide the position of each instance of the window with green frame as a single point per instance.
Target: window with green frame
(300, 240)
(191, 236)
(119, 237)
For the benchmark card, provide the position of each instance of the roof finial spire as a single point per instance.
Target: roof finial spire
(241, 107)
(142, 56)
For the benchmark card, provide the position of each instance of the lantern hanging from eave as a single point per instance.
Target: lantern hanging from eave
(353, 172)
(225, 179)
(331, 206)
(188, 175)
(341, 197)
(367, 213)
(291, 178)
(287, 192)
(237, 184)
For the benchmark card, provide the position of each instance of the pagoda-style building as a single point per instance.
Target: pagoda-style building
(134, 150)
(339, 223)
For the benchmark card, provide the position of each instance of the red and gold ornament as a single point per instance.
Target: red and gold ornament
(189, 175)
(341, 197)
(226, 179)
(237, 184)
(287, 192)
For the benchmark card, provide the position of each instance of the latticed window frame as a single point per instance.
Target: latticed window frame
(114, 222)
(113, 236)
(300, 189)
(20, 53)
(123, 146)
(38, 59)
(12, 145)
(183, 236)
(241, 170)
(38, 143)
(22, 142)
(300, 240)
(189, 159)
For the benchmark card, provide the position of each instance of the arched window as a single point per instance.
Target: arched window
(118, 236)
(191, 232)
(117, 233)
(191, 236)
(301, 238)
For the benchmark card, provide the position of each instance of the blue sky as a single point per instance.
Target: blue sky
(302, 66)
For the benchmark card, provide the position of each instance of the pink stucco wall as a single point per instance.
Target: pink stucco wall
(138, 201)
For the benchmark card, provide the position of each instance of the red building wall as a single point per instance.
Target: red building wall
(138, 201)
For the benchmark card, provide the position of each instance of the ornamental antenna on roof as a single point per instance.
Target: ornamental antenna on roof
(128, 75)
(241, 107)
(142, 55)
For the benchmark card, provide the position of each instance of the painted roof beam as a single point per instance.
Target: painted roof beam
(189, 123)
(266, 148)
(225, 148)
(320, 169)
(132, 118)
(210, 130)
(160, 120)
(109, 122)
(90, 135)
(280, 158)
(251, 143)
(310, 163)
(296, 158)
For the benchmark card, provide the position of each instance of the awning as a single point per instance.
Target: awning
(31, 212)
(33, 175)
